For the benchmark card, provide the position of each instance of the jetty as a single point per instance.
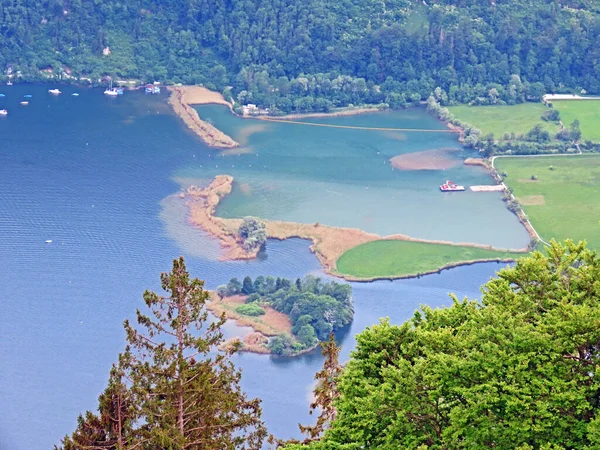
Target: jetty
(488, 188)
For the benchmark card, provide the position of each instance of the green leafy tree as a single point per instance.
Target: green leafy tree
(247, 286)
(517, 370)
(253, 233)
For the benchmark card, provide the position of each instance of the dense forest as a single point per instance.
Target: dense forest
(315, 54)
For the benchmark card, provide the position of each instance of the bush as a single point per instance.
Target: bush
(253, 298)
(250, 309)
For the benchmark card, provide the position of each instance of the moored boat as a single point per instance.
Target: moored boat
(24, 103)
(449, 186)
(3, 112)
(54, 91)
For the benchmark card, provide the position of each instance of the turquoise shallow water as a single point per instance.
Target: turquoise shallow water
(343, 177)
(95, 175)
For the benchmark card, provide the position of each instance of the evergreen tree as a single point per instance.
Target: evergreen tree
(326, 391)
(112, 428)
(182, 393)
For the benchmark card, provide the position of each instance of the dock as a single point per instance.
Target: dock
(489, 188)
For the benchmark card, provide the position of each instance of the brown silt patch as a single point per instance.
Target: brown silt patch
(438, 159)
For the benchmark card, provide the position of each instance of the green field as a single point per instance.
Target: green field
(562, 203)
(518, 119)
(393, 258)
(586, 111)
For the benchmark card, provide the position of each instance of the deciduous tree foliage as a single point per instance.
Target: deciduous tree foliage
(314, 54)
(517, 370)
(181, 393)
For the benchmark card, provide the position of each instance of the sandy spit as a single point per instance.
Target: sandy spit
(328, 243)
(181, 99)
(339, 113)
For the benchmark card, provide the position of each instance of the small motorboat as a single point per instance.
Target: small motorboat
(28, 96)
(54, 91)
(48, 241)
(24, 103)
(111, 92)
(2, 95)
(449, 186)
(3, 112)
(75, 94)
(9, 83)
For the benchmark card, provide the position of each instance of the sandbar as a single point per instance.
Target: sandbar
(437, 159)
(328, 243)
(181, 100)
(335, 113)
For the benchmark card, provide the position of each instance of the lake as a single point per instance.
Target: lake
(96, 176)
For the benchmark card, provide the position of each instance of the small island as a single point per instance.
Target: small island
(288, 317)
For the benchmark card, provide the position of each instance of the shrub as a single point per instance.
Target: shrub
(250, 309)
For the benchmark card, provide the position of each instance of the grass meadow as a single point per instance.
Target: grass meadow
(394, 258)
(518, 119)
(563, 202)
(586, 111)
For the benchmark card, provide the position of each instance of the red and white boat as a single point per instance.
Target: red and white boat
(449, 186)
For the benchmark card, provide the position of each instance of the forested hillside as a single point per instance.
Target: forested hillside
(314, 54)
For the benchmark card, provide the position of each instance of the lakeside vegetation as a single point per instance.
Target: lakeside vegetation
(558, 194)
(394, 259)
(315, 309)
(501, 120)
(518, 369)
(310, 55)
(587, 112)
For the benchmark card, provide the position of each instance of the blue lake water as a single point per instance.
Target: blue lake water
(96, 176)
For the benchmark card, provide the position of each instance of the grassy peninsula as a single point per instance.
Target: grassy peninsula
(396, 259)
(559, 194)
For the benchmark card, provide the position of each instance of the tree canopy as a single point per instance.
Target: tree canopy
(313, 55)
(517, 370)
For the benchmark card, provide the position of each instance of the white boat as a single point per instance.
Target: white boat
(24, 103)
(75, 94)
(9, 83)
(111, 91)
(49, 241)
(3, 112)
(54, 91)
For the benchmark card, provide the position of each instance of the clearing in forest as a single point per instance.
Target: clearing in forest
(586, 111)
(518, 119)
(570, 186)
(395, 259)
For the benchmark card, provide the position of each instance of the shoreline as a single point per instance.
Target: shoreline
(181, 100)
(341, 113)
(266, 326)
(328, 243)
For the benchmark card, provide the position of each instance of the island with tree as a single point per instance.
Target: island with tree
(288, 317)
